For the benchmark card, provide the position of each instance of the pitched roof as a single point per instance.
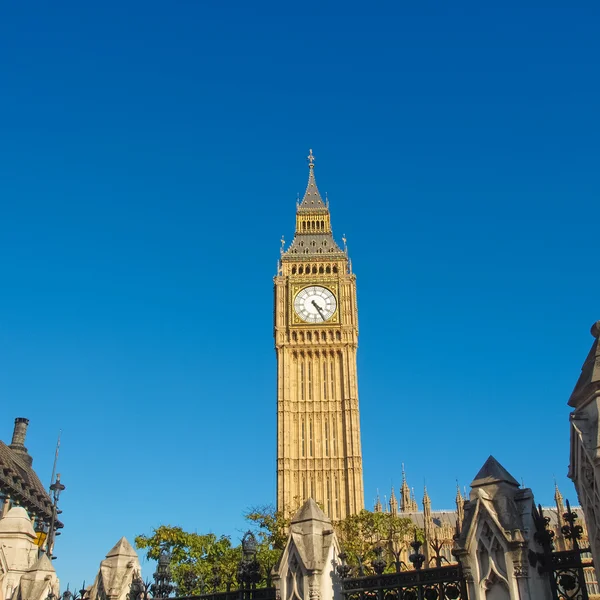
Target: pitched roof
(20, 482)
(493, 472)
(310, 511)
(590, 372)
(122, 548)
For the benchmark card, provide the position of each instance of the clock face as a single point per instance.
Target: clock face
(315, 304)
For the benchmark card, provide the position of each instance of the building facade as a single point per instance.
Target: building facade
(584, 467)
(316, 339)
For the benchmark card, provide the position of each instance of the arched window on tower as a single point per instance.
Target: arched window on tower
(302, 380)
(304, 225)
(326, 436)
(309, 380)
(325, 382)
(328, 269)
(310, 438)
(300, 270)
(303, 438)
(293, 270)
(328, 500)
(335, 269)
(333, 436)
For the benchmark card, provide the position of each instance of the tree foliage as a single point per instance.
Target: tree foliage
(205, 562)
(359, 535)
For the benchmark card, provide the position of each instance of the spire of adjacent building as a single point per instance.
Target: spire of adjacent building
(460, 506)
(427, 520)
(378, 507)
(414, 507)
(426, 500)
(558, 499)
(393, 503)
(405, 500)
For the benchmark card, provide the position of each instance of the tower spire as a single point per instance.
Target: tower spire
(393, 503)
(312, 198)
(460, 506)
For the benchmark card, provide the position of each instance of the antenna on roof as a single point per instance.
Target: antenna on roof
(55, 457)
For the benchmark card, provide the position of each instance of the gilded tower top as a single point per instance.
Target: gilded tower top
(313, 234)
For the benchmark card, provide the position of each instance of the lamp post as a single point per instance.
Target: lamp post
(162, 587)
(56, 488)
(249, 569)
(416, 558)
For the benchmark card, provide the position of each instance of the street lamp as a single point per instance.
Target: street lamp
(56, 488)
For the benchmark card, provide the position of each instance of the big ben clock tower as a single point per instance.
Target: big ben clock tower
(316, 337)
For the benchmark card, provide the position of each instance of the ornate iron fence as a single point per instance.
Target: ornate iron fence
(565, 569)
(439, 583)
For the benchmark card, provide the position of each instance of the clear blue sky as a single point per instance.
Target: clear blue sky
(151, 154)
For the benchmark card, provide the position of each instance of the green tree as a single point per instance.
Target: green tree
(359, 535)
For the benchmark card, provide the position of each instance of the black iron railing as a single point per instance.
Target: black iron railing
(566, 568)
(441, 583)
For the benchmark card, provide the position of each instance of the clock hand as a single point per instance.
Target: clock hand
(319, 309)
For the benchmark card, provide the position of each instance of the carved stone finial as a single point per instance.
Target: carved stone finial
(595, 330)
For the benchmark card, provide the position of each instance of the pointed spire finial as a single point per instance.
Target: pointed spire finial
(311, 159)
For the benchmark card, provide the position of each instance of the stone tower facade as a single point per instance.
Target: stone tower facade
(316, 338)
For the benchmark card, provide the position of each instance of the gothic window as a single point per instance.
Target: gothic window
(294, 336)
(309, 336)
(335, 269)
(328, 269)
(328, 497)
(310, 438)
(323, 336)
(314, 269)
(300, 270)
(325, 382)
(301, 243)
(338, 336)
(302, 381)
(337, 495)
(309, 380)
(333, 436)
(304, 226)
(322, 224)
(326, 437)
(303, 438)
(321, 271)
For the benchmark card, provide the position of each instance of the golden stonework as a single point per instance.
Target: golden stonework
(316, 339)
